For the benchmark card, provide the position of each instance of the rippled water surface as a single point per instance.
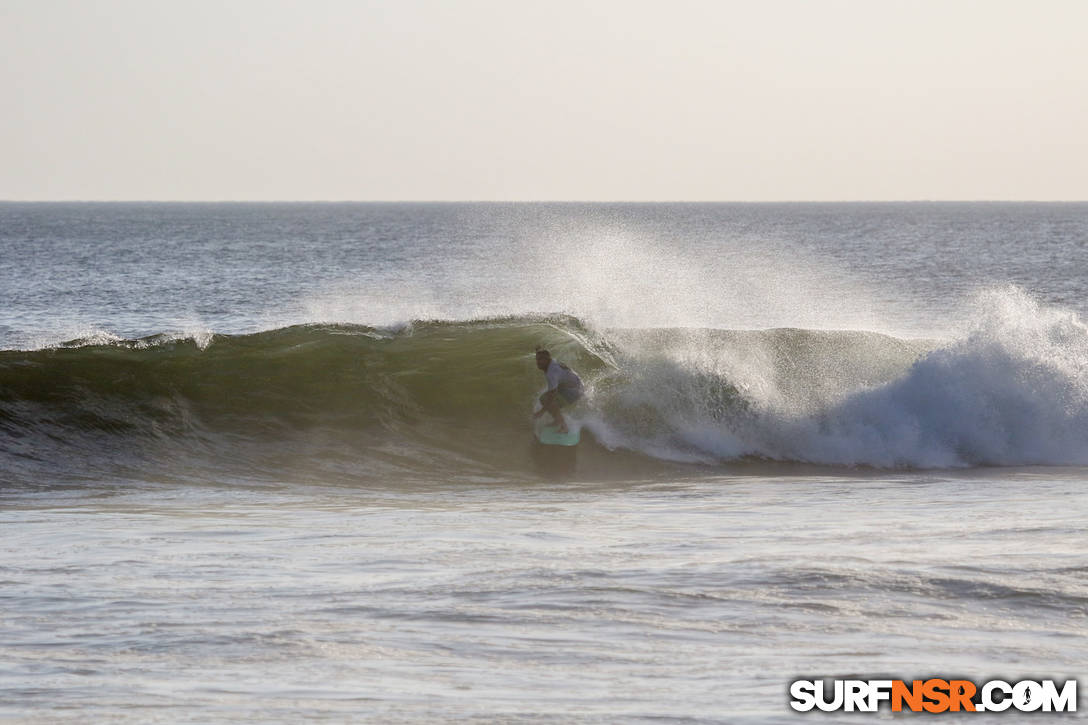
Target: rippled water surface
(569, 602)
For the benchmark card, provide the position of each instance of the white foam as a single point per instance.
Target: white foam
(82, 338)
(1011, 390)
(202, 338)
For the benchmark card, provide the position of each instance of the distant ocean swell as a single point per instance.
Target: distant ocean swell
(452, 399)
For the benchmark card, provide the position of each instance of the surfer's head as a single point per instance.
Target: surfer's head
(543, 358)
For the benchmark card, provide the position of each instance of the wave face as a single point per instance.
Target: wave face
(452, 399)
(311, 401)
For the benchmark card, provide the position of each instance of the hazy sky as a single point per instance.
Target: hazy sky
(610, 100)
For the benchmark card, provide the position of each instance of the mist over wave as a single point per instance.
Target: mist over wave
(1013, 390)
(452, 399)
(611, 275)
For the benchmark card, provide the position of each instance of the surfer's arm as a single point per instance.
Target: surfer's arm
(545, 400)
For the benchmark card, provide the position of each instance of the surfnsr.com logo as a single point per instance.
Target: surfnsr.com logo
(933, 695)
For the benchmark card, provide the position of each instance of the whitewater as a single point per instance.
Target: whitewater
(275, 461)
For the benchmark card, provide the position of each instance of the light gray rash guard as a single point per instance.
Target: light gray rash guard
(559, 375)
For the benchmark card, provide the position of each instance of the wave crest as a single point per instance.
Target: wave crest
(453, 398)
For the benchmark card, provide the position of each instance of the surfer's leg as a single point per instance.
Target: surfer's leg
(550, 403)
(557, 417)
(560, 422)
(564, 397)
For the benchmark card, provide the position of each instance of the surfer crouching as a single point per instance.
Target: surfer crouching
(564, 388)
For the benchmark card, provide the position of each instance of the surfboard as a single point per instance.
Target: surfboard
(549, 435)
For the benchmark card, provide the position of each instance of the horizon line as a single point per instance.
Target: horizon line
(543, 201)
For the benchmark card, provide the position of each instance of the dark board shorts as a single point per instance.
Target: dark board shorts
(568, 395)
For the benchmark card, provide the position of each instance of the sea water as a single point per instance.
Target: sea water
(274, 462)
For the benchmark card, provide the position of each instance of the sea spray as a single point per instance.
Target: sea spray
(1011, 390)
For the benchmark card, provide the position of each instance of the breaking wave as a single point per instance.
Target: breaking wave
(438, 400)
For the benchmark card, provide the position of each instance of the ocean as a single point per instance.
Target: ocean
(274, 462)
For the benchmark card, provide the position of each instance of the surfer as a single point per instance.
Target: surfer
(564, 388)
